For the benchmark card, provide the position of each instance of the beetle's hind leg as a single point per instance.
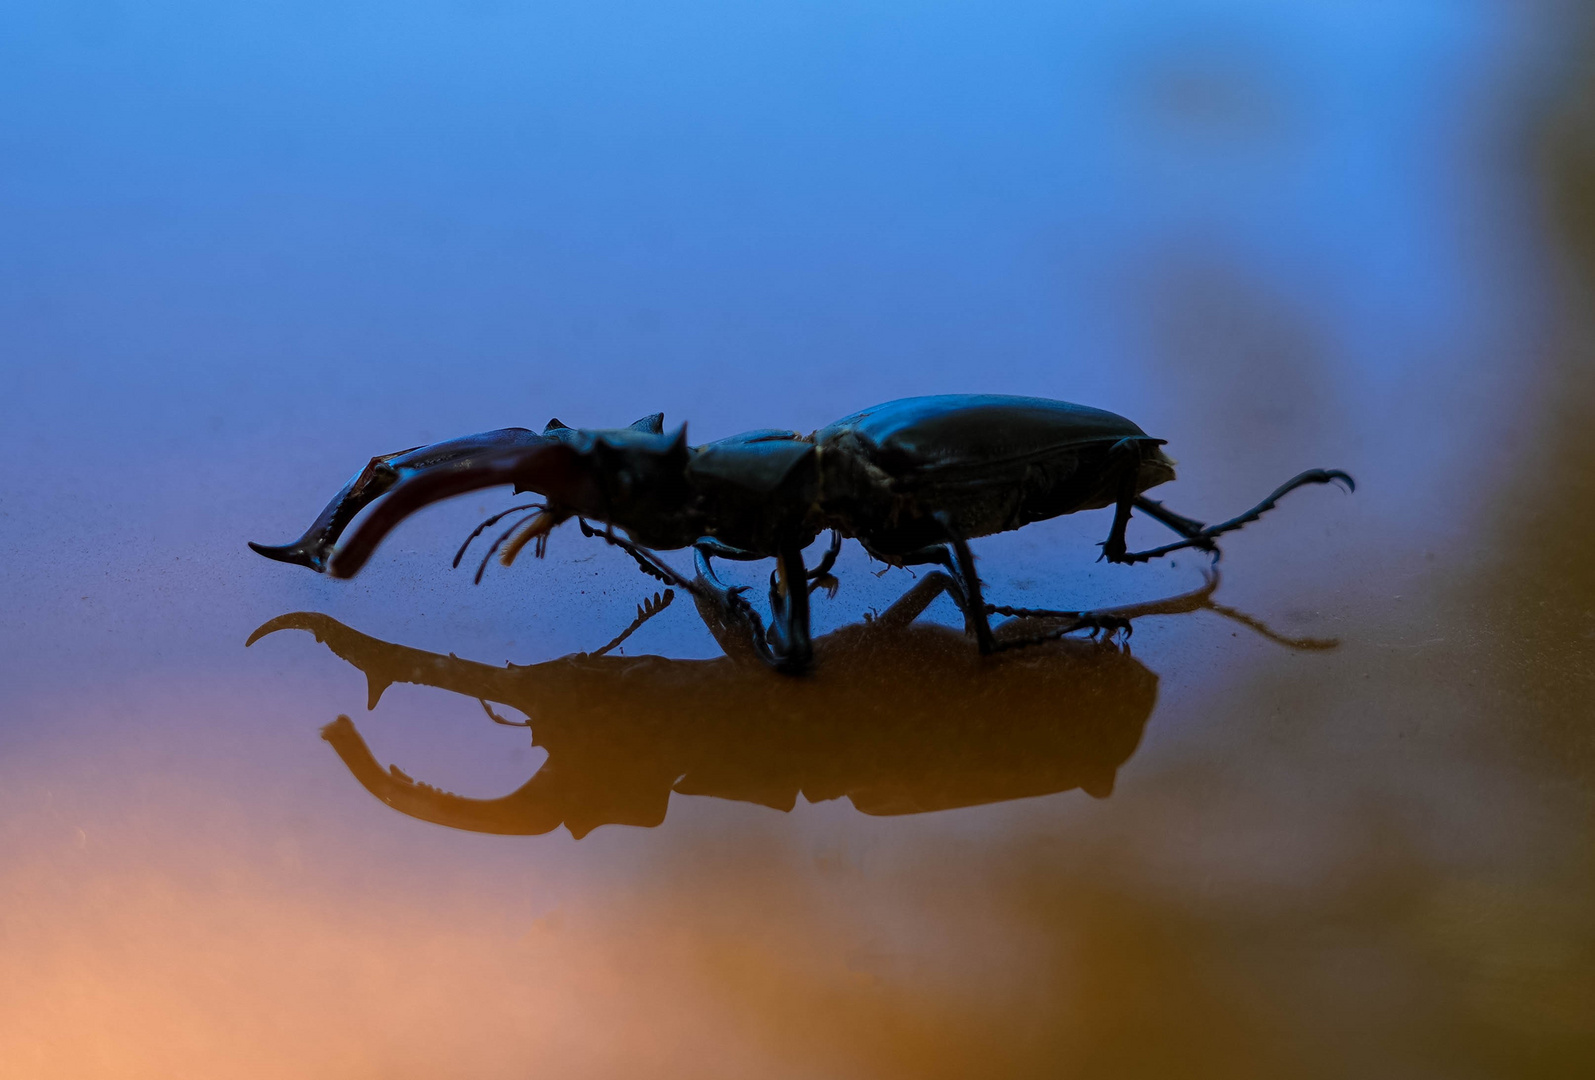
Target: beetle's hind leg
(1113, 549)
(962, 583)
(314, 548)
(1189, 528)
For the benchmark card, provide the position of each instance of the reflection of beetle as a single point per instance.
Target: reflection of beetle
(899, 720)
(911, 480)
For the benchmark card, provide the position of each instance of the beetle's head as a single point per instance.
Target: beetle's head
(633, 477)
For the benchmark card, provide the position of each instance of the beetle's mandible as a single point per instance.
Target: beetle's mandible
(913, 481)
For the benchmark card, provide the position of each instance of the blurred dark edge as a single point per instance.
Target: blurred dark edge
(1538, 600)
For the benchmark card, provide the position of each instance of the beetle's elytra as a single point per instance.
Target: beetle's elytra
(911, 480)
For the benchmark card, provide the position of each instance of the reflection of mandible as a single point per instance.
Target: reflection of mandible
(912, 481)
(902, 718)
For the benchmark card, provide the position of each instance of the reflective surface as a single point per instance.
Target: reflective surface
(240, 253)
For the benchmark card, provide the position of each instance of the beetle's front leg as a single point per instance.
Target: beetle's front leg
(730, 618)
(789, 611)
(786, 645)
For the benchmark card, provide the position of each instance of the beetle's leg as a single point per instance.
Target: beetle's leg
(729, 617)
(974, 605)
(963, 585)
(1127, 454)
(957, 557)
(1189, 528)
(786, 644)
(819, 577)
(650, 563)
(645, 611)
(380, 474)
(789, 611)
(710, 546)
(1204, 538)
(935, 555)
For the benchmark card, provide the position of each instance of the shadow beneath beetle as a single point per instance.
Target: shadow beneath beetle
(899, 717)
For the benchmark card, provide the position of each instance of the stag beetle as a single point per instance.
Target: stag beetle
(913, 481)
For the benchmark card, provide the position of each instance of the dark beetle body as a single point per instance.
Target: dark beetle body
(912, 480)
(991, 463)
(988, 463)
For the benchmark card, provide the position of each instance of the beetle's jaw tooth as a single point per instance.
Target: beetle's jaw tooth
(298, 553)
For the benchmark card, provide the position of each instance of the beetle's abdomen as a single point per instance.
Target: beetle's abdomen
(990, 462)
(975, 430)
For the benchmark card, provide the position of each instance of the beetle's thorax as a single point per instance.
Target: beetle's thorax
(756, 489)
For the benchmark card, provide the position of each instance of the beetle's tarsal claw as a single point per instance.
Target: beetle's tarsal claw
(313, 556)
(1105, 625)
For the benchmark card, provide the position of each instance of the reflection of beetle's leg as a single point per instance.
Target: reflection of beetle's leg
(1204, 539)
(937, 555)
(1195, 600)
(381, 473)
(786, 644)
(908, 607)
(962, 564)
(1100, 619)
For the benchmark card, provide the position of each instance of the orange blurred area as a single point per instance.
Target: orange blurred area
(1328, 815)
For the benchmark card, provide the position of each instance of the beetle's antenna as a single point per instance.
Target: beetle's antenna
(494, 520)
(503, 536)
